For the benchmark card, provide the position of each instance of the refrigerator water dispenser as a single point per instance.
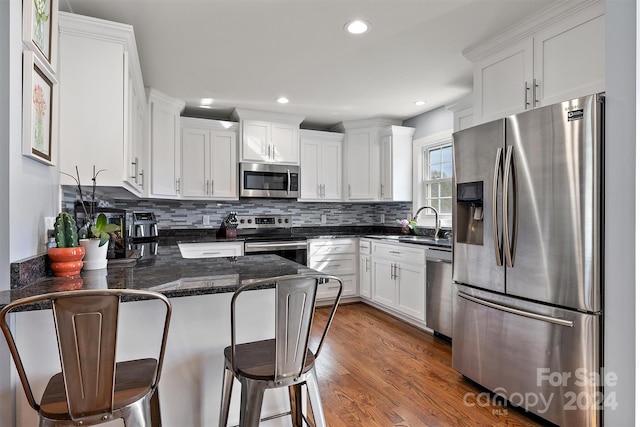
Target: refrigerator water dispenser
(470, 214)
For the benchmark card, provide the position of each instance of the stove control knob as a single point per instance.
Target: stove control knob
(279, 220)
(286, 220)
(242, 221)
(249, 221)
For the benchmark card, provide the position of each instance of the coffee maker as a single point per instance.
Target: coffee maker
(143, 234)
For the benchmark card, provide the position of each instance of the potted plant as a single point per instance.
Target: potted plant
(66, 257)
(94, 235)
(408, 226)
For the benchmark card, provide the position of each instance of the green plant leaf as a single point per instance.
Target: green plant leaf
(104, 238)
(110, 228)
(101, 221)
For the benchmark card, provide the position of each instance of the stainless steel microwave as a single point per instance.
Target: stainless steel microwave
(269, 180)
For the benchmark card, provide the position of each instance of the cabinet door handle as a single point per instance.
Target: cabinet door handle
(206, 187)
(319, 191)
(535, 93)
(212, 187)
(135, 170)
(323, 191)
(526, 96)
(349, 189)
(366, 265)
(381, 190)
(178, 185)
(141, 178)
(394, 252)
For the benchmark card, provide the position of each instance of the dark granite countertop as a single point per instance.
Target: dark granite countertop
(169, 274)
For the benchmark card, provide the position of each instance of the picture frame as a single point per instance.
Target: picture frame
(39, 30)
(39, 110)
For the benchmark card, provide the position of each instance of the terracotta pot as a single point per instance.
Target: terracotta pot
(66, 261)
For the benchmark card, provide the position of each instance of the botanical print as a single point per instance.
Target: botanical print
(41, 25)
(41, 115)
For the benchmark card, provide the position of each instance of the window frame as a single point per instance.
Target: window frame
(420, 146)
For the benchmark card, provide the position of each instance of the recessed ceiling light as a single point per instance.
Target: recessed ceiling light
(206, 101)
(357, 26)
(419, 103)
(282, 100)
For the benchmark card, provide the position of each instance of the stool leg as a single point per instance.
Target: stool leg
(225, 401)
(251, 402)
(295, 397)
(156, 419)
(314, 398)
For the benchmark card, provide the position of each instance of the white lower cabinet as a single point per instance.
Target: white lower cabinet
(365, 268)
(337, 257)
(399, 279)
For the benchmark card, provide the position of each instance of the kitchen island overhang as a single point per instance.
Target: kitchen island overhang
(200, 292)
(168, 273)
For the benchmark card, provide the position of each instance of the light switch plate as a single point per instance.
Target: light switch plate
(205, 219)
(382, 218)
(323, 218)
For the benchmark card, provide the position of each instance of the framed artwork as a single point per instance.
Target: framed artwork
(39, 110)
(39, 29)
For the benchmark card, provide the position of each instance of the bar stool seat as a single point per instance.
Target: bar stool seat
(257, 360)
(93, 388)
(134, 379)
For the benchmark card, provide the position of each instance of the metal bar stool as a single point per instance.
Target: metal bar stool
(92, 388)
(286, 360)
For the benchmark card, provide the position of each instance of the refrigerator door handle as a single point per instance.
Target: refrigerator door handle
(497, 243)
(510, 240)
(518, 312)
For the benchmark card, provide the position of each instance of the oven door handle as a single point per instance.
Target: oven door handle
(271, 246)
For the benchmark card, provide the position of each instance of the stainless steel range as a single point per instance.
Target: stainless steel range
(271, 234)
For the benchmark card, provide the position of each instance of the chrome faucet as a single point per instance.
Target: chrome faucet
(415, 218)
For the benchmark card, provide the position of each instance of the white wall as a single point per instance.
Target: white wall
(6, 396)
(620, 309)
(431, 122)
(33, 186)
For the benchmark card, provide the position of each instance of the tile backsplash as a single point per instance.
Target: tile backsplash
(189, 214)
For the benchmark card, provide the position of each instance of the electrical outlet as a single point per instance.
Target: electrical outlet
(205, 220)
(382, 218)
(323, 218)
(49, 222)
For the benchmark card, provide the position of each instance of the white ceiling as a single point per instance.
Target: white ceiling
(246, 53)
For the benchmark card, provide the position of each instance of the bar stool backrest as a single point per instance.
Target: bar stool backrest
(86, 327)
(295, 306)
(295, 302)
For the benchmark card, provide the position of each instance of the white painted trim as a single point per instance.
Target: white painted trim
(418, 145)
(528, 27)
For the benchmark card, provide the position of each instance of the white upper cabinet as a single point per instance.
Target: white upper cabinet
(462, 110)
(395, 164)
(361, 158)
(164, 141)
(102, 104)
(377, 160)
(320, 166)
(268, 137)
(556, 55)
(209, 159)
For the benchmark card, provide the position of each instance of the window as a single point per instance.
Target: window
(438, 177)
(433, 179)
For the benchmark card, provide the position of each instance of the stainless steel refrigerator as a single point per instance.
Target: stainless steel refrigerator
(527, 259)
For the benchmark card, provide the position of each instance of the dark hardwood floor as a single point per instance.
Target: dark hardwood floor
(375, 370)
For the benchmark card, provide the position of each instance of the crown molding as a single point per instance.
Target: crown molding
(558, 11)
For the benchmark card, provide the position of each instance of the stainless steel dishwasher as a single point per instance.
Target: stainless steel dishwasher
(439, 291)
